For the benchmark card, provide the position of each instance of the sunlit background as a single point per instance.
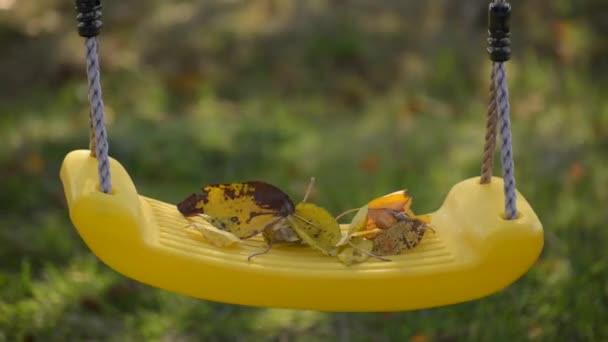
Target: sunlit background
(367, 96)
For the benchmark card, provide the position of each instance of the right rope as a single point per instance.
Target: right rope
(506, 147)
(499, 49)
(89, 26)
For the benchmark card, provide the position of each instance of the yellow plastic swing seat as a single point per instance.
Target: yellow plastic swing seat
(474, 252)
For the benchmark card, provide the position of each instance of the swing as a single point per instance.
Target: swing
(486, 235)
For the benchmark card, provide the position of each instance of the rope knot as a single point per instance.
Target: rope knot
(499, 29)
(89, 17)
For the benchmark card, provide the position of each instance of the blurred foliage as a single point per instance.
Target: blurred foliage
(392, 92)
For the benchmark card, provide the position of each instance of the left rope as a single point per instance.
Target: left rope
(89, 26)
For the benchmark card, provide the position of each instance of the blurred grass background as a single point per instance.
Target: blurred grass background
(369, 97)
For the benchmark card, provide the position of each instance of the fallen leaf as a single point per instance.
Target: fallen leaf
(212, 235)
(358, 251)
(405, 234)
(317, 227)
(358, 223)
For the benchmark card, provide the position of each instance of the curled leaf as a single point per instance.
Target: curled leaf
(382, 210)
(398, 201)
(358, 223)
(281, 233)
(381, 218)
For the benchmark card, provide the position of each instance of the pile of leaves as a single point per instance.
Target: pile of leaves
(237, 211)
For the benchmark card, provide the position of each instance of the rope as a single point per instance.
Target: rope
(506, 148)
(490, 145)
(92, 144)
(499, 49)
(98, 139)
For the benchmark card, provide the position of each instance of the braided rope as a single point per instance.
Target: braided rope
(92, 144)
(490, 144)
(498, 109)
(508, 168)
(98, 139)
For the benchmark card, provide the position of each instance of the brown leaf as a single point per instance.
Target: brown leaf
(405, 234)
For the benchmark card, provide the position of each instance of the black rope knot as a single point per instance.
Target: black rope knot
(499, 29)
(89, 17)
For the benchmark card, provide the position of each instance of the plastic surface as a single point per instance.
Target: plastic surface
(473, 253)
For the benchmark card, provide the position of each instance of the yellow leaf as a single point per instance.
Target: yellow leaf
(358, 223)
(321, 230)
(214, 236)
(359, 253)
(369, 233)
(244, 209)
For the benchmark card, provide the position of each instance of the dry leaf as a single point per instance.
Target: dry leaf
(214, 236)
(317, 227)
(358, 251)
(358, 223)
(405, 234)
